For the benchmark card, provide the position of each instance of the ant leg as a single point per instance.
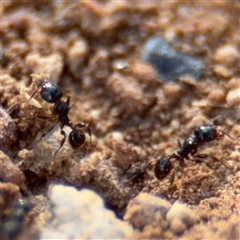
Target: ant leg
(11, 109)
(134, 175)
(179, 144)
(49, 130)
(199, 159)
(172, 179)
(214, 158)
(221, 133)
(173, 187)
(62, 142)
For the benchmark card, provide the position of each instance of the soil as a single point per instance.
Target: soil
(93, 51)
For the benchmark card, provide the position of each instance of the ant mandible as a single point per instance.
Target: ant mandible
(201, 135)
(52, 93)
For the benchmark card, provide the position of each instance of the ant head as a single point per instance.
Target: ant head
(50, 92)
(162, 167)
(77, 137)
(206, 133)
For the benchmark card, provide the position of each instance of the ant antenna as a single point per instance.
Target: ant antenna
(222, 133)
(13, 107)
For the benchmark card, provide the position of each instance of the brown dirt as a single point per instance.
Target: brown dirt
(93, 51)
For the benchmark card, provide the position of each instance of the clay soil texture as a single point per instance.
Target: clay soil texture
(94, 51)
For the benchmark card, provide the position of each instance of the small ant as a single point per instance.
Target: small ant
(52, 93)
(201, 135)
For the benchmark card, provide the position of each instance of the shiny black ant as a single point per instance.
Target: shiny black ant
(201, 135)
(12, 225)
(52, 93)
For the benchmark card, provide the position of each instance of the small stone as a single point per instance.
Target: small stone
(216, 95)
(11, 172)
(227, 54)
(168, 62)
(233, 97)
(128, 92)
(124, 154)
(145, 209)
(81, 215)
(183, 213)
(8, 192)
(51, 65)
(177, 226)
(234, 83)
(76, 56)
(223, 70)
(8, 131)
(172, 91)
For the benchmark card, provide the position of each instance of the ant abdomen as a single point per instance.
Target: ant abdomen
(76, 138)
(162, 167)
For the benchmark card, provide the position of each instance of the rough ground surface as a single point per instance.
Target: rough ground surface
(93, 51)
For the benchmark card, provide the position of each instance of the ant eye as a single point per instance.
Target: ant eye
(51, 92)
(162, 168)
(76, 138)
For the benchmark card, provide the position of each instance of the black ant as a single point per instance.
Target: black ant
(12, 225)
(201, 135)
(52, 93)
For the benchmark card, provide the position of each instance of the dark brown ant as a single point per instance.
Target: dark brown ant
(52, 93)
(201, 135)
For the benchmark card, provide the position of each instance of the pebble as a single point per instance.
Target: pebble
(181, 212)
(81, 215)
(233, 97)
(76, 56)
(51, 65)
(177, 226)
(227, 54)
(170, 63)
(145, 209)
(216, 95)
(11, 172)
(8, 131)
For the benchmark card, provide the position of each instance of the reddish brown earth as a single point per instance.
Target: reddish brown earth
(92, 50)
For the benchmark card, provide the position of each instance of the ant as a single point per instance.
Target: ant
(201, 135)
(12, 225)
(52, 93)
